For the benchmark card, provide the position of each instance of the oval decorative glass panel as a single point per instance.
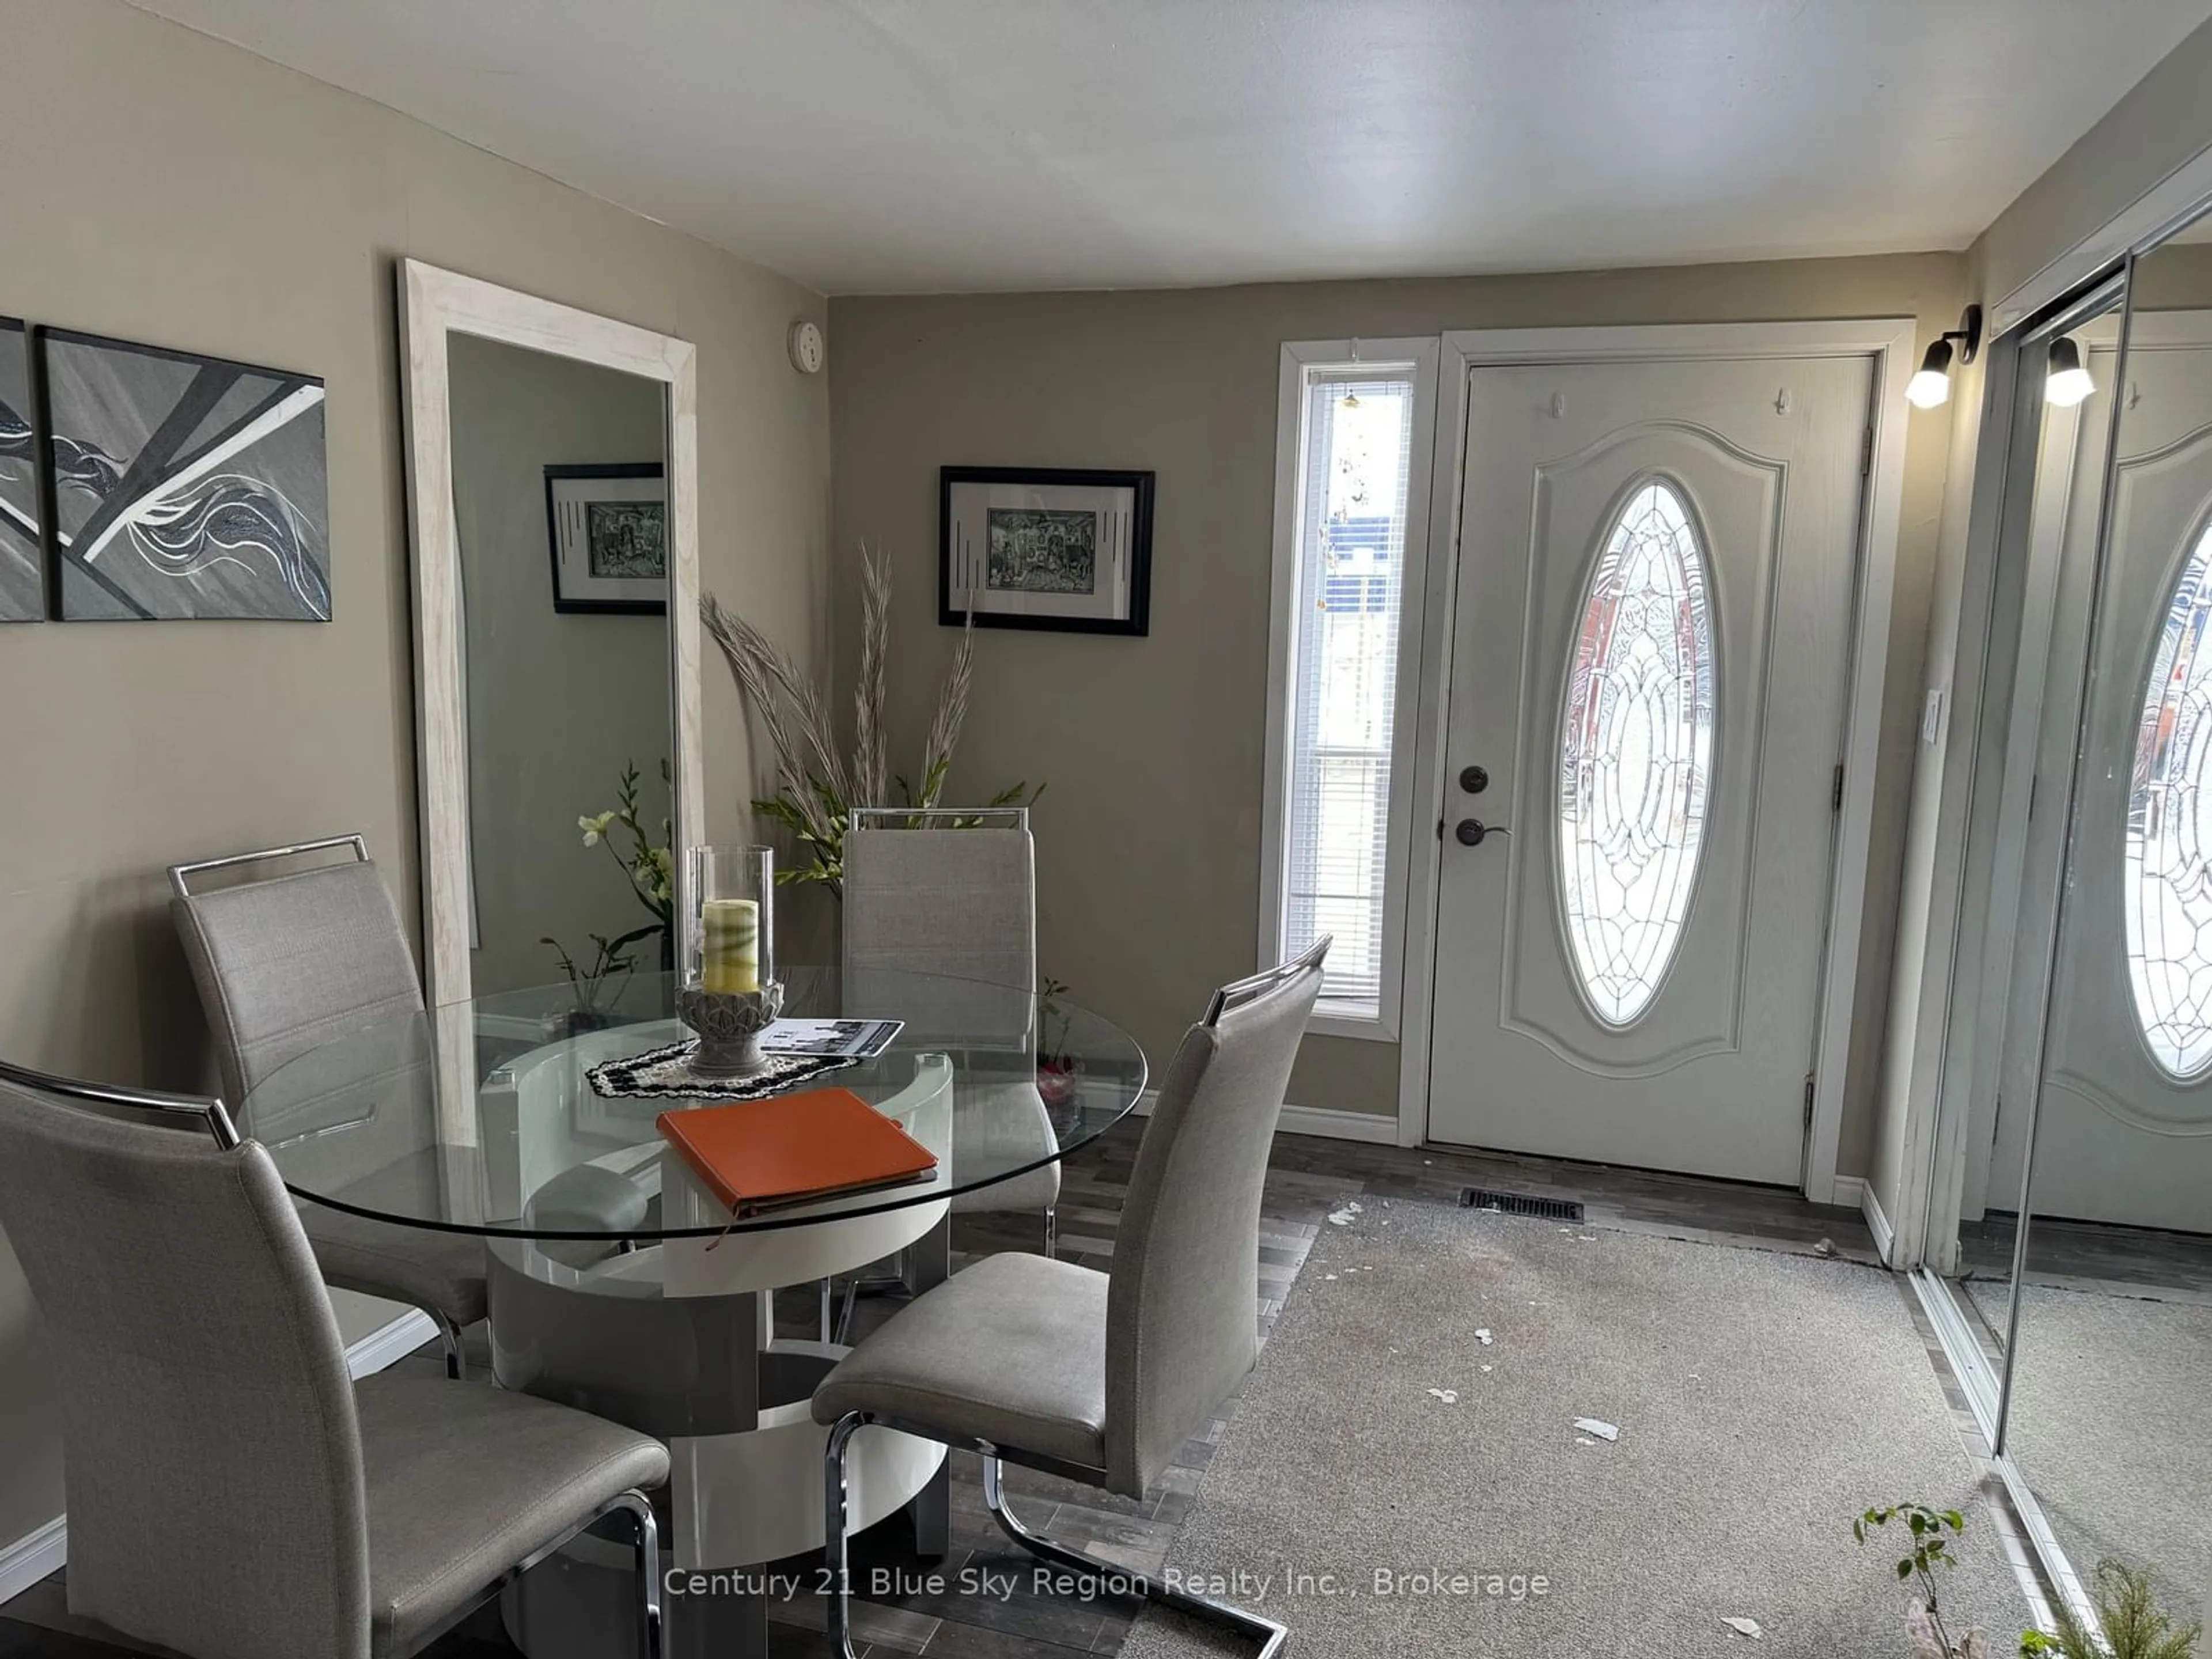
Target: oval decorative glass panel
(2167, 887)
(1635, 747)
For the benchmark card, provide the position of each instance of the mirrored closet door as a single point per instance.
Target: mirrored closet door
(2108, 1408)
(2061, 427)
(2071, 1210)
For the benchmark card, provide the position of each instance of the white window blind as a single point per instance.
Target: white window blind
(1355, 466)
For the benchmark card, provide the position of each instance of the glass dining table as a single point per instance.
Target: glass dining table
(619, 1284)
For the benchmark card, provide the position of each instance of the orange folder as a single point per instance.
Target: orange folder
(789, 1149)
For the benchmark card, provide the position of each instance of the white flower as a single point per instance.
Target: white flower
(593, 829)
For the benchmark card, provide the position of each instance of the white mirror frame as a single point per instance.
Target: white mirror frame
(434, 305)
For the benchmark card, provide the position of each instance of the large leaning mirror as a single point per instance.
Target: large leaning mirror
(553, 487)
(2108, 1411)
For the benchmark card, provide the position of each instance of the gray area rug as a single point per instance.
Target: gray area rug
(1761, 1400)
(2112, 1426)
(1990, 1304)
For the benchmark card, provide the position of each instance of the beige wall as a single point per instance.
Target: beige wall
(163, 187)
(558, 701)
(2163, 123)
(1149, 839)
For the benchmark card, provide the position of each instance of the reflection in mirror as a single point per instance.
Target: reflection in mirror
(559, 503)
(2048, 565)
(2109, 1411)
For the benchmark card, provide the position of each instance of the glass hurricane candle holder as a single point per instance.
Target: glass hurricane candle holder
(730, 994)
(730, 927)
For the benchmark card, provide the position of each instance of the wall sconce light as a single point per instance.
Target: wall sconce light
(1932, 385)
(2066, 383)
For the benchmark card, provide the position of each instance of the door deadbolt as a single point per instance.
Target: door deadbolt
(1471, 831)
(1474, 779)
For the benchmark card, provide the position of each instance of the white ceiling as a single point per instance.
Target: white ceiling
(926, 145)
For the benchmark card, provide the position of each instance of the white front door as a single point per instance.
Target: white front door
(1649, 684)
(2123, 1128)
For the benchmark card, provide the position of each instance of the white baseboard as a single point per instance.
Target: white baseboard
(391, 1344)
(1323, 1120)
(1340, 1126)
(1848, 1192)
(1877, 1223)
(45, 1549)
(33, 1556)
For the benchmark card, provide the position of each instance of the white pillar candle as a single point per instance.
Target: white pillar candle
(729, 942)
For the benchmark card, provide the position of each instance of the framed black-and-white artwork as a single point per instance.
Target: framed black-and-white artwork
(609, 525)
(183, 486)
(22, 553)
(1045, 547)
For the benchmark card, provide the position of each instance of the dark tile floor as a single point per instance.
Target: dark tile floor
(1308, 1178)
(2091, 1255)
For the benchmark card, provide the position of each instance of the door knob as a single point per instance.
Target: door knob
(1474, 779)
(1471, 831)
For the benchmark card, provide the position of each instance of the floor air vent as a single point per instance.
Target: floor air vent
(1547, 1209)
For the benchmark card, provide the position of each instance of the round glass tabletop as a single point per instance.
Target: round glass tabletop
(510, 1115)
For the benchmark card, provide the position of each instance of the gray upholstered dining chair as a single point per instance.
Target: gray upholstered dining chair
(282, 963)
(1099, 1378)
(231, 1493)
(926, 898)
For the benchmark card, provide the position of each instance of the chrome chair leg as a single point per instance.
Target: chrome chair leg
(449, 1334)
(1051, 1231)
(829, 1324)
(833, 1533)
(640, 1509)
(857, 1286)
(1270, 1635)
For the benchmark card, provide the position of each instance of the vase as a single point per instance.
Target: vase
(1058, 1083)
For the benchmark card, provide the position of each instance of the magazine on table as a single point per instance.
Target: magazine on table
(843, 1039)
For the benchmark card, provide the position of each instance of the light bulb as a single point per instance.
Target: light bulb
(1928, 389)
(2067, 383)
(1932, 385)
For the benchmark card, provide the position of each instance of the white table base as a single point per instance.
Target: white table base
(677, 1340)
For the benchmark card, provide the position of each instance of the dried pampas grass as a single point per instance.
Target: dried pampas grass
(818, 785)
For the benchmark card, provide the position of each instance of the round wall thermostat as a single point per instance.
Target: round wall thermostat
(805, 345)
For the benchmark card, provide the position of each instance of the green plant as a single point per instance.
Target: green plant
(609, 957)
(2133, 1625)
(650, 871)
(818, 783)
(1930, 1548)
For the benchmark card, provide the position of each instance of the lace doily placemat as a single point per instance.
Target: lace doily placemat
(666, 1072)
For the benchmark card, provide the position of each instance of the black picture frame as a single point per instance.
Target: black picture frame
(568, 604)
(1137, 622)
(23, 483)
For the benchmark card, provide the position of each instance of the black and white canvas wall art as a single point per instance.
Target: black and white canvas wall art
(22, 559)
(609, 526)
(184, 486)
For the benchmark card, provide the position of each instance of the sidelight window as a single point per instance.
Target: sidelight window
(1353, 513)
